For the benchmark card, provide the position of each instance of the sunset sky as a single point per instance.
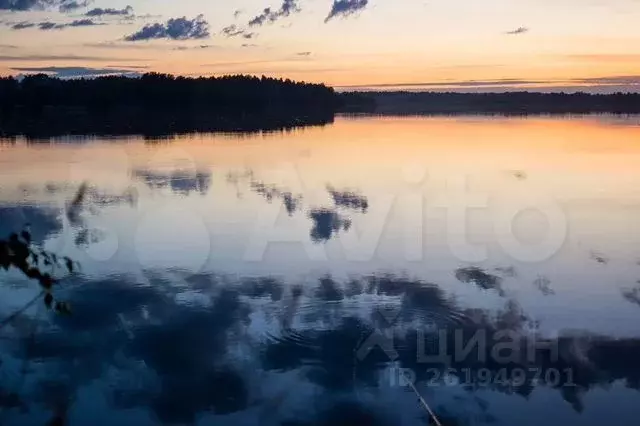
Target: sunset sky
(434, 44)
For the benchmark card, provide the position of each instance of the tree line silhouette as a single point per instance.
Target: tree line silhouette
(511, 103)
(228, 94)
(162, 104)
(159, 103)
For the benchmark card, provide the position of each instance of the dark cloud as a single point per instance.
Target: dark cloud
(519, 30)
(174, 29)
(24, 5)
(81, 23)
(99, 12)
(70, 5)
(235, 31)
(79, 72)
(269, 15)
(47, 26)
(23, 25)
(346, 8)
(303, 53)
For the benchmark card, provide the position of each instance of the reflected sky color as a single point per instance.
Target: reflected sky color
(495, 44)
(308, 186)
(181, 315)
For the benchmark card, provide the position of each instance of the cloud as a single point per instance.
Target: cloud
(618, 79)
(234, 31)
(70, 6)
(48, 26)
(606, 84)
(269, 16)
(100, 12)
(41, 58)
(519, 30)
(199, 47)
(24, 5)
(122, 45)
(82, 23)
(608, 57)
(79, 72)
(346, 8)
(23, 25)
(174, 29)
(303, 53)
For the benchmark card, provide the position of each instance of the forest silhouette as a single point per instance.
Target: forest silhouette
(41, 106)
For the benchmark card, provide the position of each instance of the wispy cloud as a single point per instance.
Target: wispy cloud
(100, 12)
(604, 57)
(67, 6)
(269, 15)
(235, 31)
(617, 79)
(174, 29)
(199, 47)
(519, 30)
(23, 25)
(303, 54)
(346, 8)
(48, 26)
(61, 57)
(255, 62)
(64, 6)
(122, 45)
(595, 84)
(79, 72)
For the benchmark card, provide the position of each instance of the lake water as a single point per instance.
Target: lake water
(308, 277)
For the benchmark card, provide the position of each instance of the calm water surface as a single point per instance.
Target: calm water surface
(303, 278)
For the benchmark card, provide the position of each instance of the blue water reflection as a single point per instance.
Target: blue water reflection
(176, 320)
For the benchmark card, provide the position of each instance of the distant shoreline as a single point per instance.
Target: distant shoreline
(512, 103)
(158, 105)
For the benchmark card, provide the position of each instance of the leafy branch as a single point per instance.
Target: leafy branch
(19, 253)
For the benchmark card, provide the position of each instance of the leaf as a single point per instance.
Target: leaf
(48, 300)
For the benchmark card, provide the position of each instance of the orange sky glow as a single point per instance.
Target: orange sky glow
(411, 44)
